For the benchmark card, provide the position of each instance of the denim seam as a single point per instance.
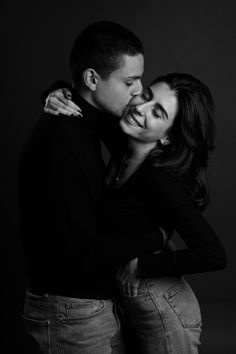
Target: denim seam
(49, 337)
(168, 298)
(162, 316)
(175, 289)
(117, 320)
(60, 329)
(41, 323)
(181, 318)
(76, 319)
(158, 306)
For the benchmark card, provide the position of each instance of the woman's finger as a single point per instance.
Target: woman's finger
(57, 97)
(67, 99)
(56, 112)
(56, 105)
(67, 93)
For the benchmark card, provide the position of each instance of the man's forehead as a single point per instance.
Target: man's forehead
(131, 66)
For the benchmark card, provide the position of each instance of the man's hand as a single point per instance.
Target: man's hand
(127, 278)
(60, 102)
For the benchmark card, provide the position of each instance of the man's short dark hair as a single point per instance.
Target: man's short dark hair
(100, 46)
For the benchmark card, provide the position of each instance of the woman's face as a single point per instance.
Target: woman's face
(149, 115)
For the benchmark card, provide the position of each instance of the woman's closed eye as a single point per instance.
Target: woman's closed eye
(157, 114)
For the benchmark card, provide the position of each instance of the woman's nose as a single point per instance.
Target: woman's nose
(142, 108)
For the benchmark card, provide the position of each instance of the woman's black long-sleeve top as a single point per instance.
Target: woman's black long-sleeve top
(152, 197)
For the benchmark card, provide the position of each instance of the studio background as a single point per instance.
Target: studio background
(183, 36)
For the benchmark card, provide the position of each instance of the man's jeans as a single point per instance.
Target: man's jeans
(165, 315)
(62, 325)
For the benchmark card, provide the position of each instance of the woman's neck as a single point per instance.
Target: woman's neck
(139, 150)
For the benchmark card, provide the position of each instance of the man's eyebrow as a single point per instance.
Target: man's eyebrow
(133, 77)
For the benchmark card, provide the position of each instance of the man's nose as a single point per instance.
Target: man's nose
(138, 88)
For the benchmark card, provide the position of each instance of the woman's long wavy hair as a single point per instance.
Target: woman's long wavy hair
(192, 136)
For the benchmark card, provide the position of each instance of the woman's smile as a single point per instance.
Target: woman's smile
(132, 120)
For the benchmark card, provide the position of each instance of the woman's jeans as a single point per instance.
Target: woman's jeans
(62, 325)
(165, 315)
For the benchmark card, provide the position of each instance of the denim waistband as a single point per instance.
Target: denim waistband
(51, 298)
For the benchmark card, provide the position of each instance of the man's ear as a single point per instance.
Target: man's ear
(90, 77)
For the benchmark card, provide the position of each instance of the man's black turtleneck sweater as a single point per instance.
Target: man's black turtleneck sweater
(61, 182)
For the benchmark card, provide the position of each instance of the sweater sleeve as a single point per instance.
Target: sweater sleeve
(204, 251)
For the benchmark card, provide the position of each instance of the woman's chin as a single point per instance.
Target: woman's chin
(125, 127)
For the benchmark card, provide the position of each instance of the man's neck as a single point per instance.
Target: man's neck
(86, 95)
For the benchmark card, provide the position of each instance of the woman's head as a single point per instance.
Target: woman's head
(185, 135)
(193, 125)
(150, 115)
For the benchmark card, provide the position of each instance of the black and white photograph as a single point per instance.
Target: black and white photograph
(118, 177)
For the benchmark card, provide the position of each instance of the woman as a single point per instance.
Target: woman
(162, 180)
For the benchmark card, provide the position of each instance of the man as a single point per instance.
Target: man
(69, 306)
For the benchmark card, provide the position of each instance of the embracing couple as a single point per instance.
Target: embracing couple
(104, 276)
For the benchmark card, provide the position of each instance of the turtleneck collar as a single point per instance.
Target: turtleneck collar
(93, 118)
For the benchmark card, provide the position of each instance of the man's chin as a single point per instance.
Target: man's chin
(116, 114)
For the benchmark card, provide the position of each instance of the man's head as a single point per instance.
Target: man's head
(107, 64)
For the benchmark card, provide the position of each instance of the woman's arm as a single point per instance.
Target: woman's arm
(58, 100)
(204, 251)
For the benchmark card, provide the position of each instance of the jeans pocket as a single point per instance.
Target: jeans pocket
(184, 303)
(133, 289)
(39, 332)
(83, 309)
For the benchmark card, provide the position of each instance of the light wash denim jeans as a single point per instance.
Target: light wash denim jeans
(165, 315)
(62, 325)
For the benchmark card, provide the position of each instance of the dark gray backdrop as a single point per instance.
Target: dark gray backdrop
(188, 36)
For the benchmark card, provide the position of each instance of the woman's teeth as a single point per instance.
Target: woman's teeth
(133, 121)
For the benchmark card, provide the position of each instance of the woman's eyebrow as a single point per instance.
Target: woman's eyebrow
(162, 109)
